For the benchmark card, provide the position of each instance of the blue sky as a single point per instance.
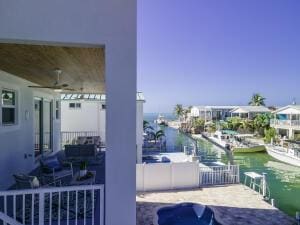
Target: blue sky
(211, 52)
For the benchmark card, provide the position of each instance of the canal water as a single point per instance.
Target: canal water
(283, 179)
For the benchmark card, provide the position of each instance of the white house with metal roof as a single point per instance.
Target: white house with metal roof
(88, 110)
(249, 112)
(287, 121)
(208, 113)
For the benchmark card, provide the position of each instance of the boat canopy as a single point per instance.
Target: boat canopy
(230, 132)
(244, 135)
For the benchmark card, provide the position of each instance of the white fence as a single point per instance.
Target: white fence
(166, 176)
(60, 205)
(218, 175)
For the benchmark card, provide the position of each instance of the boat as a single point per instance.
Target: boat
(242, 144)
(161, 120)
(221, 139)
(249, 149)
(288, 154)
(237, 143)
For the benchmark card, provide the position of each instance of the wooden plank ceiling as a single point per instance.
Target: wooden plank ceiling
(81, 67)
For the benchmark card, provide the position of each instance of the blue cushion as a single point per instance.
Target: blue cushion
(52, 163)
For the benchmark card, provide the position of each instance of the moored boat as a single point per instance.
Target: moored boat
(249, 149)
(242, 143)
(289, 155)
(221, 139)
(237, 143)
(161, 120)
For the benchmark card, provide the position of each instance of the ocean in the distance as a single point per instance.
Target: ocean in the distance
(150, 117)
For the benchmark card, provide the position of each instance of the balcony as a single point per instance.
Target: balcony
(67, 202)
(285, 123)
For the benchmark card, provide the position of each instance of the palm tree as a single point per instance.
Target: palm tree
(178, 110)
(247, 125)
(234, 123)
(157, 135)
(198, 125)
(257, 100)
(146, 126)
(262, 122)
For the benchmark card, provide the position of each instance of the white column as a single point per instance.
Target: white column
(120, 166)
(291, 133)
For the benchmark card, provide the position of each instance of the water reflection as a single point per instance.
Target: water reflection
(284, 172)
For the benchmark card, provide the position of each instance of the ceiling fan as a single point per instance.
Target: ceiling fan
(56, 86)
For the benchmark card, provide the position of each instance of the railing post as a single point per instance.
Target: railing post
(41, 208)
(264, 185)
(102, 205)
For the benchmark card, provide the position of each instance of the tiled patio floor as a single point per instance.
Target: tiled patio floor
(233, 205)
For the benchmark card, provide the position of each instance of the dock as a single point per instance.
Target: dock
(232, 205)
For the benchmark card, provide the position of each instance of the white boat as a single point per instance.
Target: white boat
(235, 142)
(284, 154)
(220, 139)
(161, 120)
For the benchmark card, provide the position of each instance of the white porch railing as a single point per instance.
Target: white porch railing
(58, 205)
(69, 137)
(289, 123)
(218, 175)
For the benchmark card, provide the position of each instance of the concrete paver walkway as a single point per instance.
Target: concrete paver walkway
(233, 205)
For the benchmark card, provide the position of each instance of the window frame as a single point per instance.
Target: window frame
(57, 109)
(14, 106)
(77, 105)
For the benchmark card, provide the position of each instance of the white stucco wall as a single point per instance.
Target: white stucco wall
(111, 23)
(17, 141)
(91, 117)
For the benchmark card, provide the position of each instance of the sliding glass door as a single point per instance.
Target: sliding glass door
(42, 126)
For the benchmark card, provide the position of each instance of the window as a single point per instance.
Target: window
(103, 106)
(74, 105)
(8, 107)
(57, 109)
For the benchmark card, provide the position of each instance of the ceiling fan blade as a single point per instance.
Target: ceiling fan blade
(69, 89)
(41, 87)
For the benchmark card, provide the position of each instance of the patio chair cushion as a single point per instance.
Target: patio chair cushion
(89, 140)
(50, 164)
